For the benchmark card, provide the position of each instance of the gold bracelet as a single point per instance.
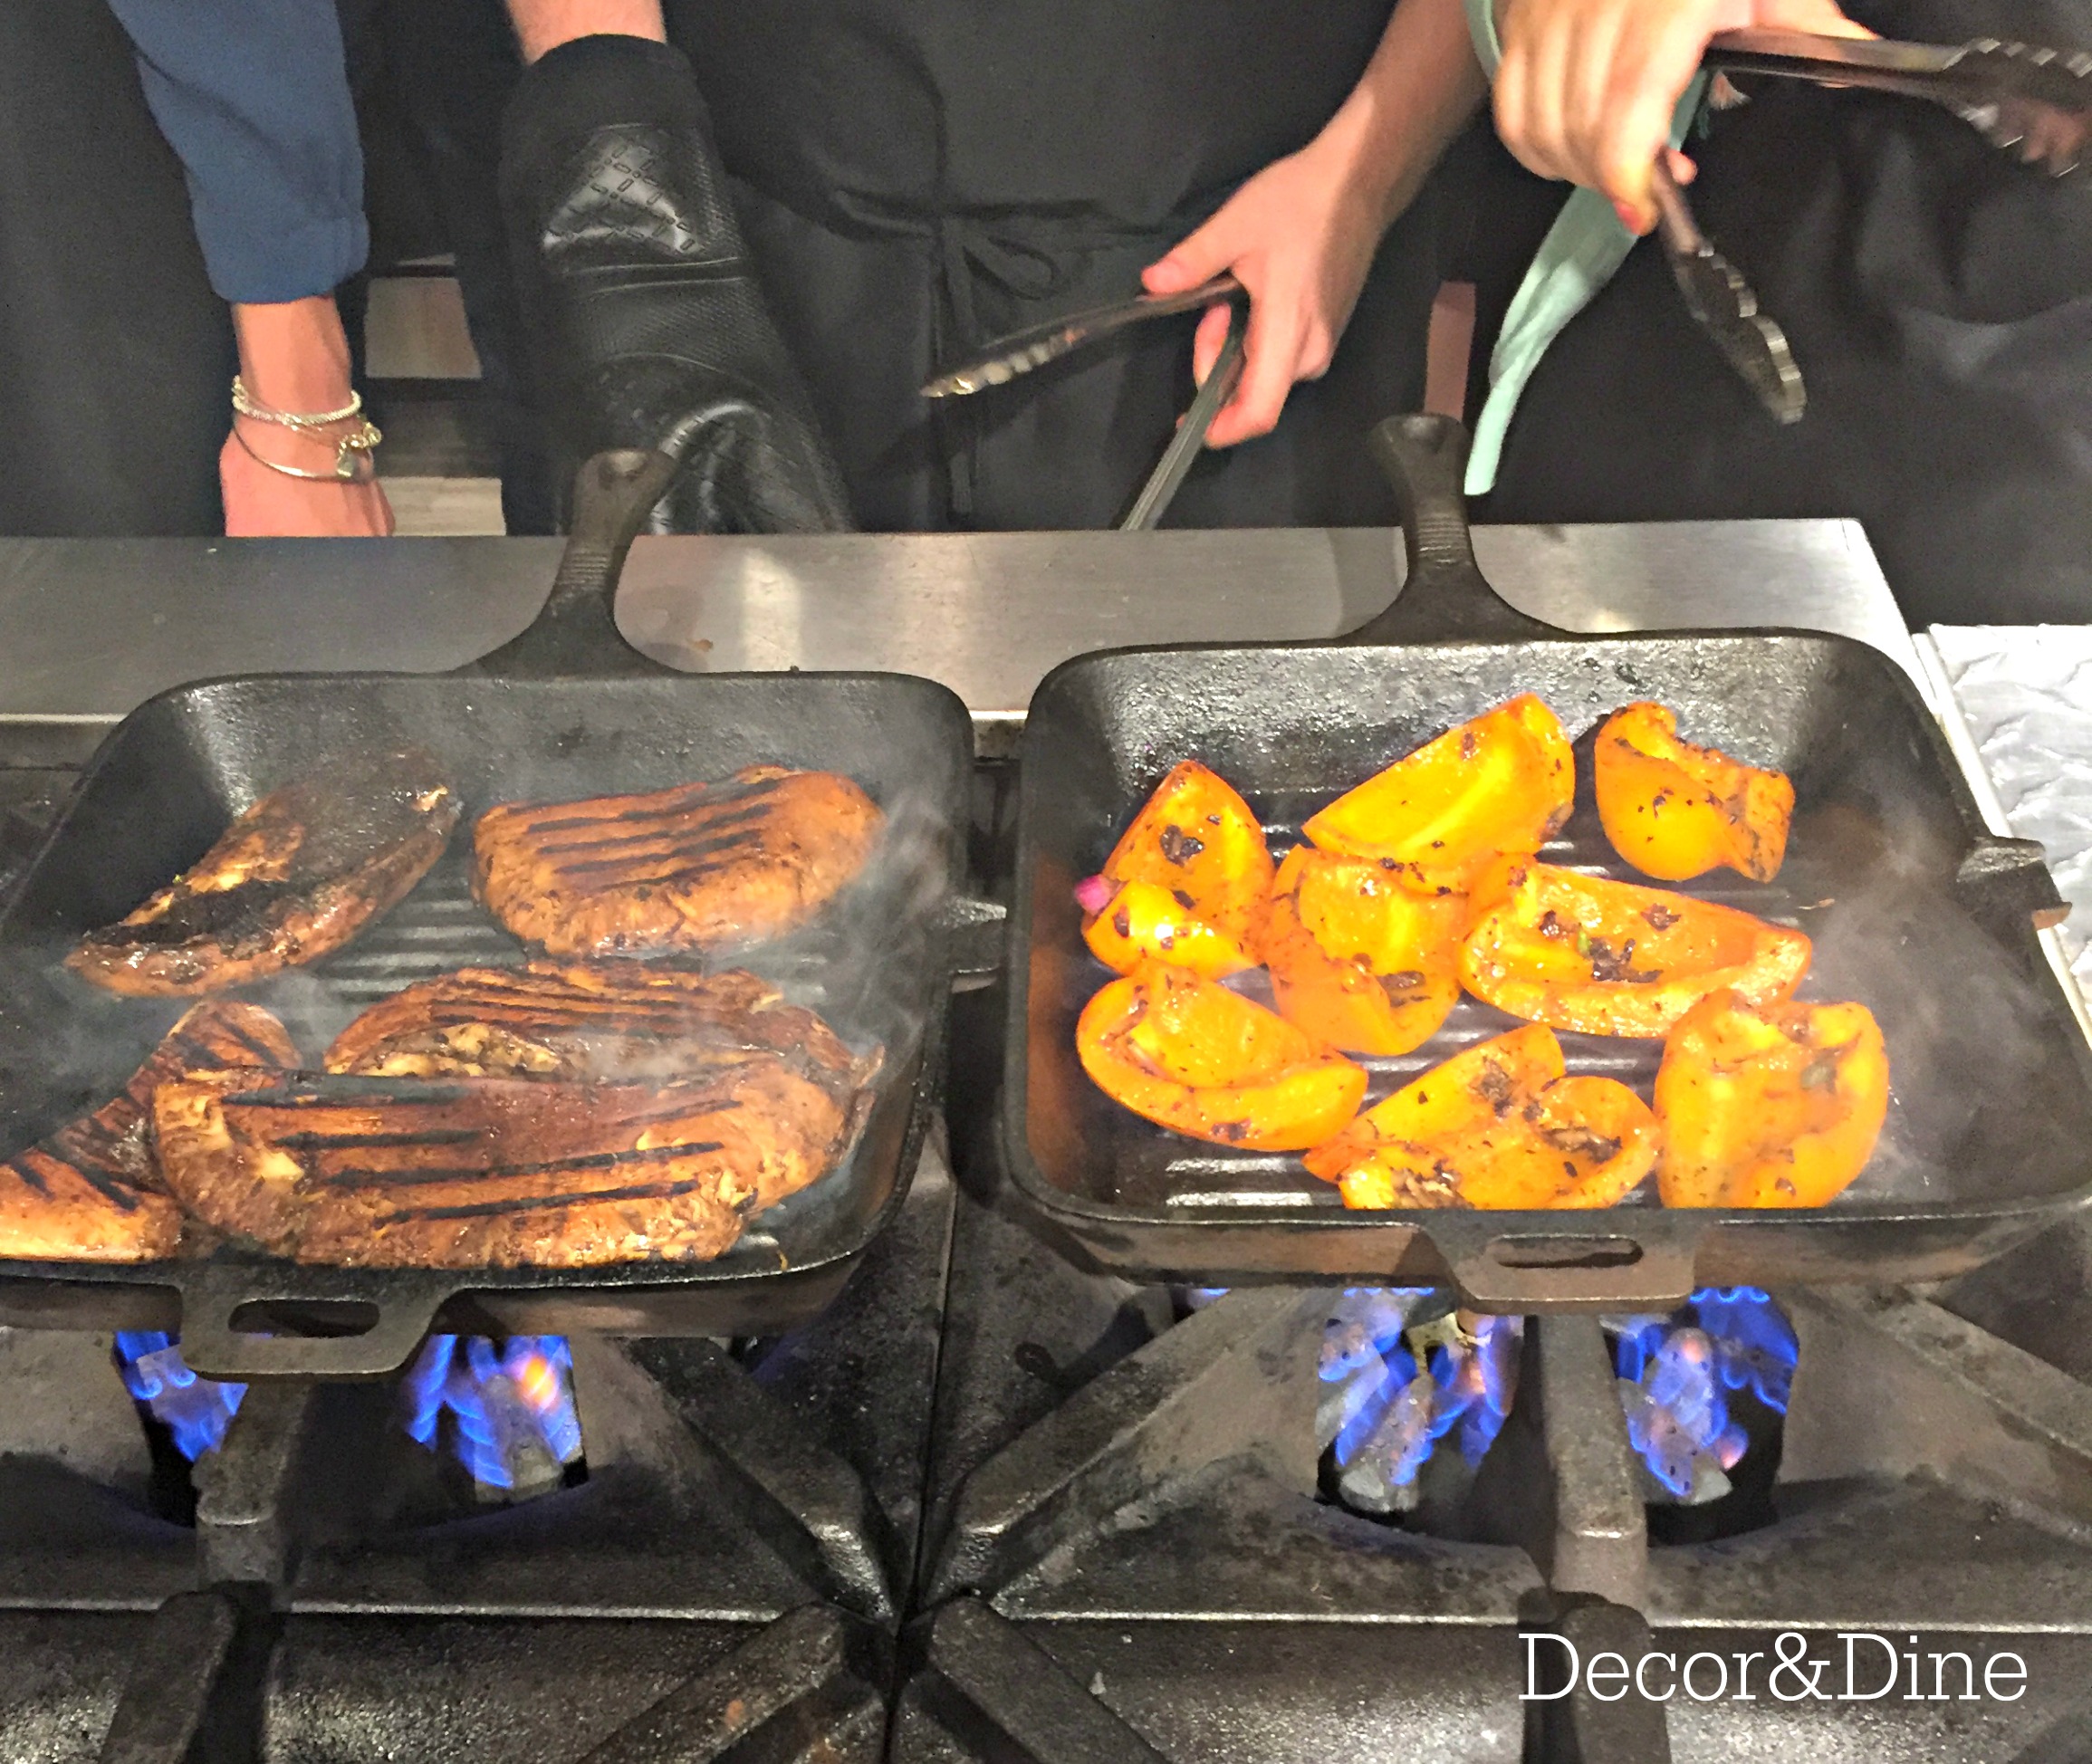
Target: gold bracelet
(352, 451)
(351, 454)
(247, 404)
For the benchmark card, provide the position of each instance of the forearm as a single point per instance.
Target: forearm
(254, 97)
(544, 25)
(1416, 95)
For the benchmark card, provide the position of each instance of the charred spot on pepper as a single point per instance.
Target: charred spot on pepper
(1178, 846)
(1821, 1072)
(1581, 1141)
(1660, 918)
(1468, 743)
(1394, 984)
(1617, 967)
(1495, 1088)
(1183, 899)
(1550, 926)
(1122, 923)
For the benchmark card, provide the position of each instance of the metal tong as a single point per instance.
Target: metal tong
(2035, 102)
(1724, 305)
(1023, 350)
(1026, 350)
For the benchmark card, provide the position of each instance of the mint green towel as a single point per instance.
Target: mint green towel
(1579, 257)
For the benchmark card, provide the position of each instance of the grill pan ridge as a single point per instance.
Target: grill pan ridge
(565, 710)
(1916, 908)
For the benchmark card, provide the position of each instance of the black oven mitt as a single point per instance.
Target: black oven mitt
(646, 322)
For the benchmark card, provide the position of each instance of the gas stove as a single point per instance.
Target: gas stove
(990, 1506)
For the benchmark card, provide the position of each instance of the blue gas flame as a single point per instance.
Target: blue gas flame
(1386, 1404)
(526, 1384)
(196, 1411)
(1675, 1370)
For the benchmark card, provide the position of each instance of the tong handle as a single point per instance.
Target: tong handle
(1855, 61)
(1189, 441)
(1675, 220)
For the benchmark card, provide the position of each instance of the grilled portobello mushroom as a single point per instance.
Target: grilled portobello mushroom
(89, 1193)
(620, 1021)
(291, 880)
(698, 868)
(493, 1173)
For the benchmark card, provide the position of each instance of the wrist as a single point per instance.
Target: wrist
(294, 355)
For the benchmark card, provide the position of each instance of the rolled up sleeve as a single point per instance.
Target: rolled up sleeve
(254, 97)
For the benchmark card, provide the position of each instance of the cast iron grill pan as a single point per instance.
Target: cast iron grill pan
(566, 710)
(1914, 909)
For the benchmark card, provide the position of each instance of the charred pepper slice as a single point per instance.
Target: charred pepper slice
(1197, 841)
(1768, 1105)
(1358, 960)
(1675, 810)
(1501, 782)
(1191, 1055)
(1140, 921)
(1497, 1126)
(1613, 958)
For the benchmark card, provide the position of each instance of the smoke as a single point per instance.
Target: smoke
(868, 963)
(1986, 1102)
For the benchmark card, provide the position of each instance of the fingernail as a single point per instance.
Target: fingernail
(1629, 218)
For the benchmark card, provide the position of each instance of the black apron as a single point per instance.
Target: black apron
(1938, 296)
(920, 177)
(115, 356)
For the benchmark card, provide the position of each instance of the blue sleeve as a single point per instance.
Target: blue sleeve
(254, 97)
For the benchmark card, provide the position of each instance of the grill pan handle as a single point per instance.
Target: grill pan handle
(405, 1301)
(575, 634)
(1447, 596)
(1613, 1266)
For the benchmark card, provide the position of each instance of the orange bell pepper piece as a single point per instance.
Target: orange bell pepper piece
(1358, 960)
(1675, 810)
(1613, 958)
(1199, 842)
(1496, 1127)
(1498, 784)
(1768, 1105)
(1142, 922)
(1191, 1055)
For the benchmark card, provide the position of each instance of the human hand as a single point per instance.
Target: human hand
(1300, 236)
(264, 505)
(1586, 88)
